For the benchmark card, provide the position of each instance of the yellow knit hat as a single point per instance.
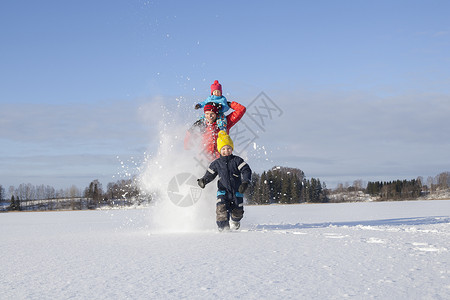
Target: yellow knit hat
(224, 139)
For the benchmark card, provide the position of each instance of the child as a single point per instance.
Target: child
(219, 101)
(230, 168)
(216, 97)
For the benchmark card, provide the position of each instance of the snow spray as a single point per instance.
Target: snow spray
(169, 177)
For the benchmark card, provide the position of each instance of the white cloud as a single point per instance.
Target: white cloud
(70, 143)
(441, 33)
(69, 123)
(333, 135)
(337, 135)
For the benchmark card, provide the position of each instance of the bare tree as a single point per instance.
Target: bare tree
(74, 192)
(430, 182)
(340, 187)
(11, 190)
(50, 192)
(358, 185)
(443, 180)
(94, 192)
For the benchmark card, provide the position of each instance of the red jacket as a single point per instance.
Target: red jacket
(209, 132)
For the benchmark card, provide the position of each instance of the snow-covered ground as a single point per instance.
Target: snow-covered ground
(382, 250)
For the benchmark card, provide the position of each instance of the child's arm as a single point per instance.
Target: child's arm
(209, 176)
(218, 100)
(203, 103)
(246, 173)
(207, 100)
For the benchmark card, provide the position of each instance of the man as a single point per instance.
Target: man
(208, 127)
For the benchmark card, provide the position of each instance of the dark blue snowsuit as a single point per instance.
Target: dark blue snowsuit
(229, 201)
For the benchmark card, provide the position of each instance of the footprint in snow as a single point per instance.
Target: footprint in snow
(424, 247)
(335, 236)
(373, 240)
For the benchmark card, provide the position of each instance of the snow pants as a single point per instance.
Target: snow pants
(228, 207)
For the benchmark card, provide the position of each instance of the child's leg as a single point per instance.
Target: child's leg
(222, 210)
(222, 122)
(237, 209)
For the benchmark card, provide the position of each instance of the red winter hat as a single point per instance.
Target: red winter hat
(211, 107)
(216, 86)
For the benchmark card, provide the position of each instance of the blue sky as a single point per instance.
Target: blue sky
(363, 85)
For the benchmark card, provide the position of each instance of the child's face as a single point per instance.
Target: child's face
(226, 150)
(217, 93)
(210, 116)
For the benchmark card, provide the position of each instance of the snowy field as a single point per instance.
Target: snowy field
(389, 250)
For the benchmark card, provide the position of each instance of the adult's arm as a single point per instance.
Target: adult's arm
(236, 115)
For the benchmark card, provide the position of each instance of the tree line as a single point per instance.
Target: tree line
(438, 182)
(392, 190)
(278, 185)
(124, 192)
(395, 190)
(286, 186)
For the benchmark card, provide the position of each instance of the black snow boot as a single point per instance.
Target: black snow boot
(223, 225)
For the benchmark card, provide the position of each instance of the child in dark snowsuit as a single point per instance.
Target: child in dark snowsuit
(234, 178)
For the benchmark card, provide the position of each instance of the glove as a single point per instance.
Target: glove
(243, 187)
(229, 104)
(197, 106)
(201, 183)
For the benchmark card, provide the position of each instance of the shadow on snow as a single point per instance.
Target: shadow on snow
(387, 222)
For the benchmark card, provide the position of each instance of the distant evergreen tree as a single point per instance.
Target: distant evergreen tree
(314, 192)
(374, 188)
(395, 190)
(270, 185)
(253, 194)
(15, 203)
(324, 195)
(94, 193)
(321, 196)
(265, 196)
(284, 185)
(307, 191)
(12, 203)
(285, 190)
(275, 186)
(295, 189)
